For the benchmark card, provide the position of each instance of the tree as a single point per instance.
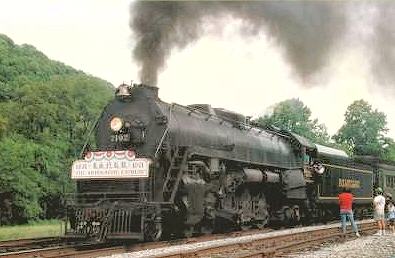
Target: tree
(292, 115)
(364, 130)
(3, 125)
(46, 111)
(54, 117)
(389, 151)
(20, 182)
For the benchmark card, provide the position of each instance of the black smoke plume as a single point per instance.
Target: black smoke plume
(306, 30)
(383, 61)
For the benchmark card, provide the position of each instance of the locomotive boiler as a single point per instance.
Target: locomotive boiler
(162, 170)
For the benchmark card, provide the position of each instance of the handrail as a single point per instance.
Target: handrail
(165, 132)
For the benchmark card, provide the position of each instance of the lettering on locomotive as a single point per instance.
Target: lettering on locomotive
(110, 164)
(349, 183)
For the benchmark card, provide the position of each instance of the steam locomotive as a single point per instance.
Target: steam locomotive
(161, 170)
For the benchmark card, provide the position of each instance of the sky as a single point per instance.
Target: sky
(247, 75)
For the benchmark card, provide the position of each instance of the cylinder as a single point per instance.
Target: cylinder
(252, 175)
(271, 177)
(257, 176)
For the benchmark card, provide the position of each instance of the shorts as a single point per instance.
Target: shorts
(378, 215)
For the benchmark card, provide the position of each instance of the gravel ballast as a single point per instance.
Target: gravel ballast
(365, 246)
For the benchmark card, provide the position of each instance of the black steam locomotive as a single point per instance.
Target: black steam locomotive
(162, 169)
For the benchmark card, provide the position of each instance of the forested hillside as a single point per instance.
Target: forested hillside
(46, 111)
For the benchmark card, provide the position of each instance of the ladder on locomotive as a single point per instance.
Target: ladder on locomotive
(174, 174)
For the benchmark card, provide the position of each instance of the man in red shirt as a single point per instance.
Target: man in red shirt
(345, 204)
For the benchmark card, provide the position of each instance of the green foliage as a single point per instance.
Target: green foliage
(22, 64)
(19, 180)
(364, 130)
(389, 151)
(46, 111)
(3, 125)
(292, 115)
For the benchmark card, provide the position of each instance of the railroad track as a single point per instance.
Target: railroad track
(20, 245)
(24, 242)
(53, 247)
(244, 244)
(272, 244)
(57, 247)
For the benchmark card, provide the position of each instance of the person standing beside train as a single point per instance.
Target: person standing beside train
(379, 214)
(345, 204)
(391, 216)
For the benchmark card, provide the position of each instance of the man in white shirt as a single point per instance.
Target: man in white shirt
(379, 215)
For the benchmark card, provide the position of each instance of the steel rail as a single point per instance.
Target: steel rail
(264, 244)
(26, 241)
(243, 244)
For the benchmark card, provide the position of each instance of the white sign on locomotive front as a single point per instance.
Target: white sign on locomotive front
(110, 166)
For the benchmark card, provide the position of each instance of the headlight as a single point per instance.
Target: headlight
(116, 124)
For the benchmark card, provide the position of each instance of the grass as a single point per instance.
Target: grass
(46, 228)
